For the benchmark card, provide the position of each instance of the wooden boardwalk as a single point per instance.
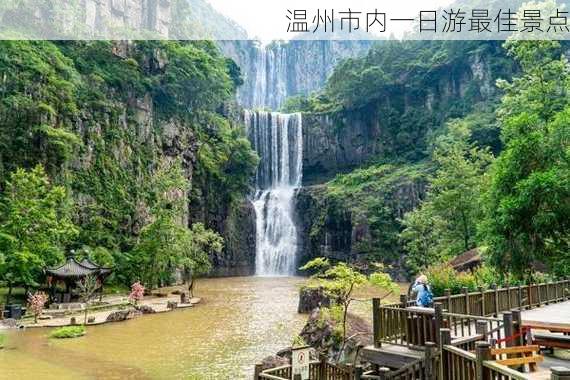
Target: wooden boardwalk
(554, 314)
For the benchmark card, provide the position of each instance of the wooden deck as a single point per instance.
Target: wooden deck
(554, 317)
(391, 355)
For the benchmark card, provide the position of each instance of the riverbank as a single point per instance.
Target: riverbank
(110, 306)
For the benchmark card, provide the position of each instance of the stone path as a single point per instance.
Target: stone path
(158, 304)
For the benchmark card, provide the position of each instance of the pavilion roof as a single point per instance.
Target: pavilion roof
(74, 268)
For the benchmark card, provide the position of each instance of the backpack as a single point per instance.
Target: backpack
(427, 297)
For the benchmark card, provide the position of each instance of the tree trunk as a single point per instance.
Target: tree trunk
(9, 295)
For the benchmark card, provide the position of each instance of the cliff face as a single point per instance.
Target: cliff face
(280, 70)
(346, 224)
(113, 123)
(332, 145)
(396, 126)
(355, 216)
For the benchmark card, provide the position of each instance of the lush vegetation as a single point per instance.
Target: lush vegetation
(413, 88)
(368, 198)
(340, 282)
(493, 158)
(102, 147)
(68, 332)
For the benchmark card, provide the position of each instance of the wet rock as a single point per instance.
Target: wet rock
(120, 315)
(145, 309)
(9, 323)
(325, 334)
(274, 361)
(311, 298)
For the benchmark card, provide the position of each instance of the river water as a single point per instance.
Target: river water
(239, 322)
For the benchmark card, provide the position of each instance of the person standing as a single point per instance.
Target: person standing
(424, 296)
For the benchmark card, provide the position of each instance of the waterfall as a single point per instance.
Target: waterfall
(270, 86)
(277, 138)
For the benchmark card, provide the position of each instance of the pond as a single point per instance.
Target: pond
(240, 321)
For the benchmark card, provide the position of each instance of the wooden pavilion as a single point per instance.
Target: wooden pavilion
(62, 280)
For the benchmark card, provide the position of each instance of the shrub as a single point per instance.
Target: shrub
(443, 277)
(68, 332)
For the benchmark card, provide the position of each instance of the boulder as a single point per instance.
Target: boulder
(311, 298)
(145, 309)
(322, 333)
(120, 315)
(274, 361)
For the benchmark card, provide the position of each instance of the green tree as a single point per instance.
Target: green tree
(446, 222)
(35, 227)
(341, 280)
(86, 289)
(527, 207)
(166, 244)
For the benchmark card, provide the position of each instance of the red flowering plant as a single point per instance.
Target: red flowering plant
(137, 292)
(36, 303)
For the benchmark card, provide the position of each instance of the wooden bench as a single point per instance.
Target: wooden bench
(550, 340)
(528, 355)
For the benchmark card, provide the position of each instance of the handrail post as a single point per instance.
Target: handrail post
(358, 371)
(496, 290)
(257, 371)
(482, 292)
(481, 328)
(447, 294)
(376, 318)
(466, 293)
(538, 295)
(529, 292)
(508, 326)
(559, 373)
(382, 373)
(322, 366)
(429, 353)
(404, 300)
(444, 339)
(482, 353)
(517, 323)
(438, 319)
(508, 287)
(548, 292)
(519, 296)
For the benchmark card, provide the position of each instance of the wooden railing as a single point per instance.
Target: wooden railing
(406, 327)
(424, 368)
(318, 370)
(402, 325)
(413, 327)
(495, 300)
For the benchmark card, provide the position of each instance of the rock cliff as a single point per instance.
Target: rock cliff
(274, 72)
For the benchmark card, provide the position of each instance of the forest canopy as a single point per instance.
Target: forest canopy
(105, 144)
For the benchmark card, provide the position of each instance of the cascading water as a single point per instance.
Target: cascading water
(270, 86)
(277, 138)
